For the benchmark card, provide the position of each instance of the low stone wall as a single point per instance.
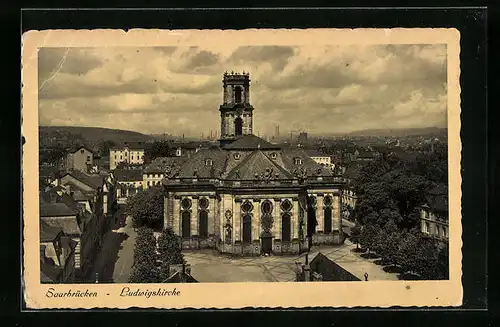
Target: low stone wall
(333, 238)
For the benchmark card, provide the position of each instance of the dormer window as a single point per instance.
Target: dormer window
(237, 156)
(208, 162)
(298, 161)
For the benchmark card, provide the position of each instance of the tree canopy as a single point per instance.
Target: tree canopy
(169, 247)
(144, 268)
(146, 207)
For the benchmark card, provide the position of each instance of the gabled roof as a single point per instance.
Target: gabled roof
(56, 210)
(92, 180)
(128, 175)
(255, 165)
(251, 142)
(77, 148)
(180, 277)
(69, 225)
(196, 165)
(160, 164)
(329, 270)
(132, 146)
(48, 233)
(311, 167)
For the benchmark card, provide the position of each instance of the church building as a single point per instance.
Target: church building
(248, 196)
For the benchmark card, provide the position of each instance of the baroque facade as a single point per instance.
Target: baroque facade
(248, 196)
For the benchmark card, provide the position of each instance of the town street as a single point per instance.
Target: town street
(114, 263)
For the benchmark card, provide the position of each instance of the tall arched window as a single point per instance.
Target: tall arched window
(247, 228)
(285, 227)
(247, 207)
(328, 214)
(203, 224)
(328, 220)
(186, 224)
(238, 126)
(237, 94)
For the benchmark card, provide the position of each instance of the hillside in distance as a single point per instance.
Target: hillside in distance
(95, 134)
(431, 131)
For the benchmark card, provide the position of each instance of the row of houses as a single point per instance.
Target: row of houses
(76, 210)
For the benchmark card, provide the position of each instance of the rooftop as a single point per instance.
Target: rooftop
(251, 142)
(128, 175)
(56, 210)
(92, 180)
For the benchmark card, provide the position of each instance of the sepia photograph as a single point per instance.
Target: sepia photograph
(279, 160)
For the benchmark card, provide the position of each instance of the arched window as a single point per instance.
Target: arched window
(186, 224)
(247, 228)
(328, 220)
(237, 95)
(203, 224)
(238, 126)
(285, 227)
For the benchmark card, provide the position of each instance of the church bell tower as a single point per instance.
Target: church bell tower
(236, 112)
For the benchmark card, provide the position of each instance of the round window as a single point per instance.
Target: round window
(186, 203)
(267, 207)
(203, 203)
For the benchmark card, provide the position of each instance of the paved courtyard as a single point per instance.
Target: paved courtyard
(209, 266)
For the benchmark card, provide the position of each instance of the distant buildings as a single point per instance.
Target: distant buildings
(434, 214)
(322, 159)
(128, 154)
(81, 206)
(80, 158)
(160, 167)
(129, 182)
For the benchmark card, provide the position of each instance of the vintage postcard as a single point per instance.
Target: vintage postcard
(253, 168)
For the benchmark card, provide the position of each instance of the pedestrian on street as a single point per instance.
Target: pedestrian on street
(366, 276)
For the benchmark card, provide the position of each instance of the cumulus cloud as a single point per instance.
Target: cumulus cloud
(329, 89)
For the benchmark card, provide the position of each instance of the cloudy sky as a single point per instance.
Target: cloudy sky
(178, 90)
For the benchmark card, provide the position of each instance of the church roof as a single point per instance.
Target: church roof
(206, 163)
(160, 164)
(311, 167)
(251, 142)
(256, 165)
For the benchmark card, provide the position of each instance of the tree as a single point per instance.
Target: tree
(407, 255)
(389, 243)
(146, 207)
(169, 247)
(356, 234)
(367, 237)
(104, 147)
(144, 268)
(443, 263)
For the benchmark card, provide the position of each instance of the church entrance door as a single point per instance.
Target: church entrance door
(266, 240)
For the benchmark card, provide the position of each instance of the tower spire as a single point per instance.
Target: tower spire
(236, 110)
